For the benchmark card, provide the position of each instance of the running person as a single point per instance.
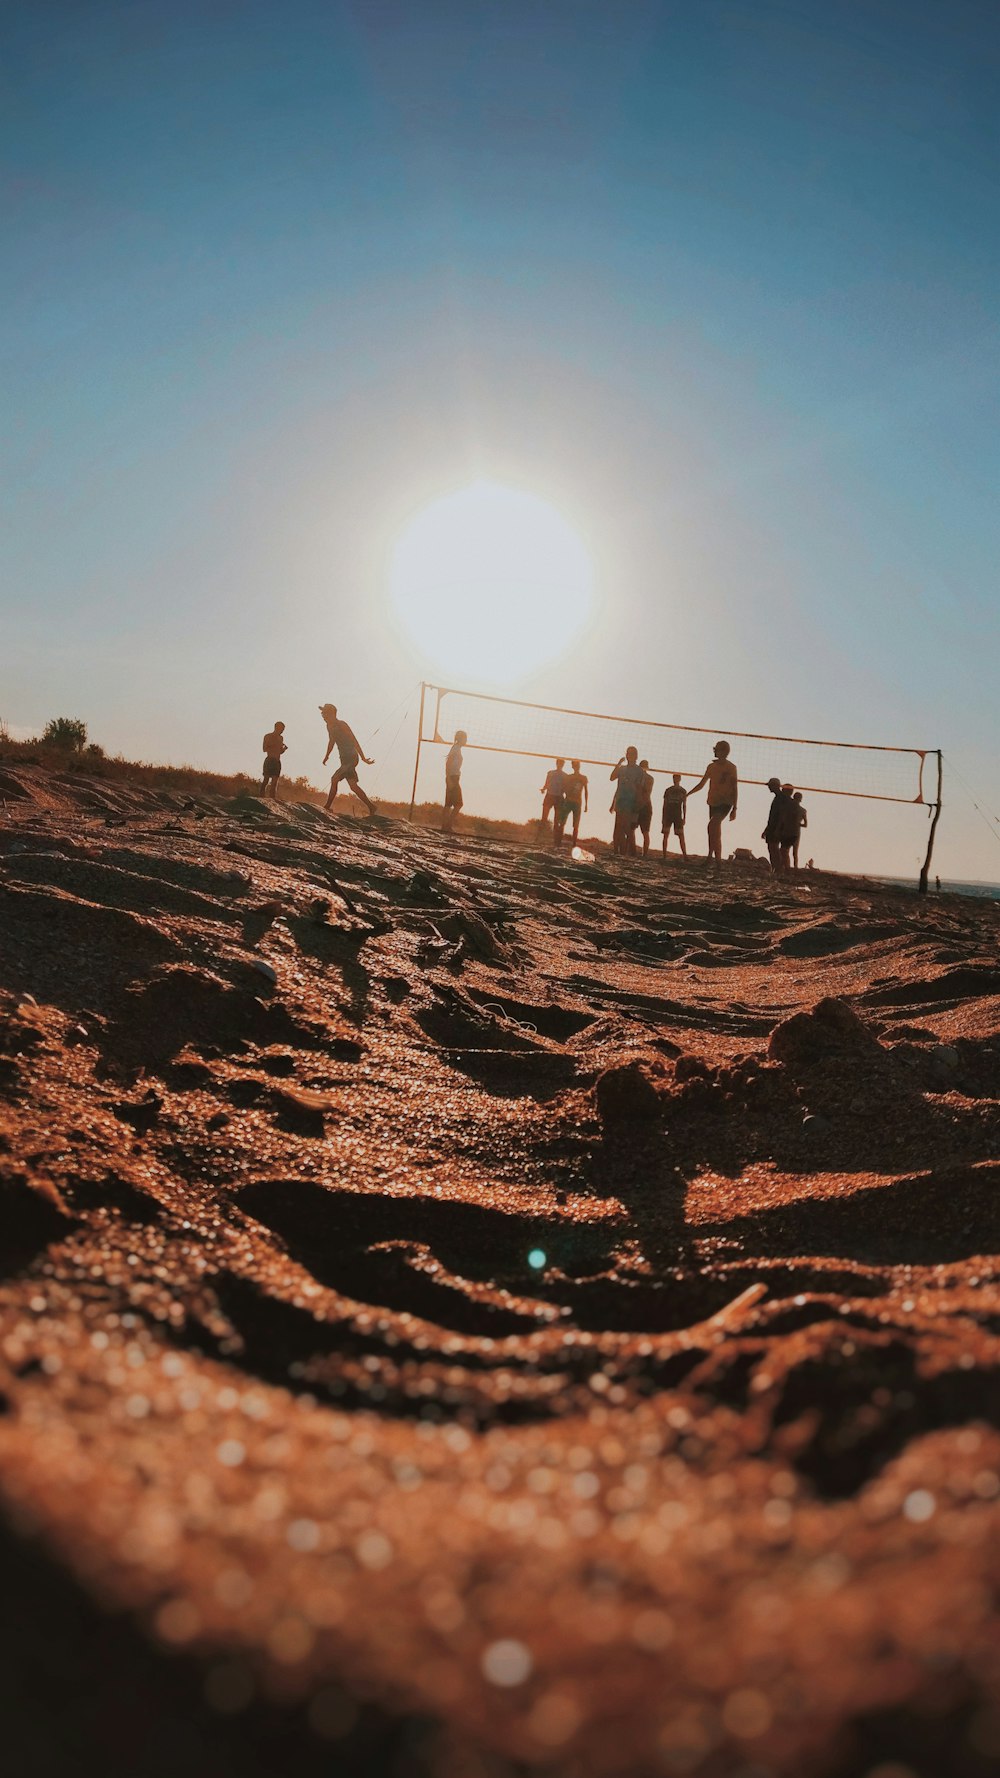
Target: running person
(723, 789)
(645, 821)
(274, 747)
(453, 781)
(575, 800)
(674, 799)
(341, 736)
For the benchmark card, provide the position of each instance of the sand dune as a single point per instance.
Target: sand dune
(466, 1313)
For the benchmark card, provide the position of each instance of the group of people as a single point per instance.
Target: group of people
(339, 735)
(632, 807)
(565, 795)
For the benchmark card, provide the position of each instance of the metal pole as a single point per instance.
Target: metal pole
(420, 736)
(922, 885)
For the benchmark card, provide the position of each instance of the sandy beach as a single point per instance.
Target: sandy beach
(466, 1313)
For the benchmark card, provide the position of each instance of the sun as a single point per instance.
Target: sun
(490, 582)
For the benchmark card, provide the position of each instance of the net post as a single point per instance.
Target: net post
(420, 736)
(925, 868)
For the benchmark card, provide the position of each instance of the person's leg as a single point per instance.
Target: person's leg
(576, 823)
(714, 837)
(681, 841)
(361, 794)
(795, 856)
(334, 784)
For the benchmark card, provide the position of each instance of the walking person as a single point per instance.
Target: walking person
(553, 789)
(803, 821)
(453, 782)
(341, 736)
(274, 747)
(674, 800)
(723, 790)
(575, 799)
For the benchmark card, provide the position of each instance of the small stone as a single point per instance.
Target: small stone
(265, 969)
(814, 1125)
(626, 1095)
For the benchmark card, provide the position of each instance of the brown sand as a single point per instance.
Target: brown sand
(465, 1313)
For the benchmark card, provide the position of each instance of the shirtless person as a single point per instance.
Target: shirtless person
(575, 799)
(553, 789)
(723, 789)
(348, 746)
(274, 747)
(629, 778)
(645, 820)
(453, 781)
(674, 799)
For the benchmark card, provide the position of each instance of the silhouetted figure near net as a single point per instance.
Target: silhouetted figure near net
(723, 790)
(782, 828)
(553, 790)
(628, 777)
(274, 747)
(453, 798)
(341, 736)
(803, 821)
(575, 798)
(645, 817)
(674, 800)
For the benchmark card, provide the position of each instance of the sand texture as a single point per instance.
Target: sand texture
(467, 1314)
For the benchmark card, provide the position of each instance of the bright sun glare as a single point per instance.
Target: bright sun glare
(491, 582)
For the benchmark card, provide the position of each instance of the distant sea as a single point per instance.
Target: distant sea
(985, 891)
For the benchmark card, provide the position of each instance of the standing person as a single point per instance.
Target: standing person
(802, 818)
(674, 799)
(341, 736)
(575, 799)
(274, 747)
(770, 833)
(782, 826)
(453, 781)
(628, 777)
(553, 789)
(645, 820)
(723, 790)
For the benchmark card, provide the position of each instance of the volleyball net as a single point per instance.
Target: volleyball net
(545, 731)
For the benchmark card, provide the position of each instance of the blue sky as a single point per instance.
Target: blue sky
(719, 280)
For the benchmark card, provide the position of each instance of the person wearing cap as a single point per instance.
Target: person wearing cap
(782, 827)
(723, 790)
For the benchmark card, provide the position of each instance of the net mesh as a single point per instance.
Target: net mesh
(541, 731)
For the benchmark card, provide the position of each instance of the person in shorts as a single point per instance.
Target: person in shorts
(723, 789)
(553, 790)
(274, 747)
(674, 799)
(629, 779)
(575, 799)
(782, 827)
(453, 798)
(645, 820)
(341, 736)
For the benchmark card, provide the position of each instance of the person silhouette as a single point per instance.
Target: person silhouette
(341, 736)
(453, 781)
(274, 747)
(674, 799)
(723, 790)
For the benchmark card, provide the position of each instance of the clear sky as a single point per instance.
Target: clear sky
(718, 278)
